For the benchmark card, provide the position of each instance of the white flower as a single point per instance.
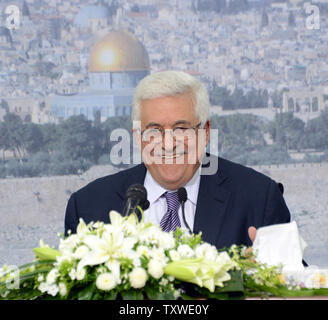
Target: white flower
(224, 261)
(102, 249)
(185, 251)
(62, 289)
(43, 287)
(150, 235)
(66, 246)
(143, 250)
(158, 254)
(80, 252)
(72, 274)
(155, 268)
(114, 267)
(81, 228)
(106, 281)
(53, 290)
(174, 255)
(80, 274)
(138, 277)
(166, 240)
(206, 251)
(136, 262)
(176, 294)
(52, 276)
(40, 278)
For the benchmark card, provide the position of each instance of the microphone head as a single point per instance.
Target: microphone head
(145, 205)
(137, 191)
(182, 194)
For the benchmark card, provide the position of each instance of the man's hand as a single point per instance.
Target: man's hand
(252, 233)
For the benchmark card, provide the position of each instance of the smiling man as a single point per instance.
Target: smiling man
(172, 127)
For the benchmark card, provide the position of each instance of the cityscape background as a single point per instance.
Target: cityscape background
(68, 70)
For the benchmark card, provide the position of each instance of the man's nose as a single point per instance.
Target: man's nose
(168, 140)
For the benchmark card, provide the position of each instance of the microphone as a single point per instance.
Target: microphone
(182, 196)
(136, 195)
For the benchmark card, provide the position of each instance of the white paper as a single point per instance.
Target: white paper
(280, 244)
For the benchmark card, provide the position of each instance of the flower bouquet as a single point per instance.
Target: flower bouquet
(128, 259)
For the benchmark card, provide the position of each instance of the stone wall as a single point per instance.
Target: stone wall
(33, 208)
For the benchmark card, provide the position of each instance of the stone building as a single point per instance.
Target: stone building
(116, 64)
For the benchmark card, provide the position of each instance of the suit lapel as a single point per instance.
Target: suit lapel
(212, 201)
(212, 204)
(136, 176)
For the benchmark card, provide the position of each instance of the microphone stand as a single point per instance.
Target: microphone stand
(184, 217)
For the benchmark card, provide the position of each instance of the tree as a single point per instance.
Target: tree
(78, 139)
(316, 132)
(50, 137)
(32, 138)
(287, 131)
(14, 134)
(4, 140)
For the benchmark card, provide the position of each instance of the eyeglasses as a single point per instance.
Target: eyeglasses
(180, 132)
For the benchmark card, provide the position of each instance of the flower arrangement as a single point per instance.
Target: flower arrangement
(125, 259)
(128, 259)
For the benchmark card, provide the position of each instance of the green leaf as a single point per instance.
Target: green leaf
(132, 295)
(87, 292)
(111, 295)
(235, 284)
(153, 294)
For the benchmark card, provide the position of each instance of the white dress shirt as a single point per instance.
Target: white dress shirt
(158, 205)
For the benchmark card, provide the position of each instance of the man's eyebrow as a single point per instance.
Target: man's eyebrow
(155, 124)
(181, 122)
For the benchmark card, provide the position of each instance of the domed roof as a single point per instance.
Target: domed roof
(118, 51)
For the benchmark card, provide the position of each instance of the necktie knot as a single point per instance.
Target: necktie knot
(171, 220)
(172, 200)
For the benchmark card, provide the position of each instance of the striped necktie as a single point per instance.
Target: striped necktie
(171, 220)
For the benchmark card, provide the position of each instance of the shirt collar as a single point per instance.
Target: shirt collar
(155, 190)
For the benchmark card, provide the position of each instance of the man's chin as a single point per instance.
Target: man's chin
(171, 176)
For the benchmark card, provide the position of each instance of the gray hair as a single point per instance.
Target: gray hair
(172, 83)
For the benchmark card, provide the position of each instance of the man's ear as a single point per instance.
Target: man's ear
(208, 129)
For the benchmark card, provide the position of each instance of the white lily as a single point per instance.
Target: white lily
(102, 249)
(114, 266)
(81, 228)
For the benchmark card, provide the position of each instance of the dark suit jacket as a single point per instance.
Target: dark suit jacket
(229, 202)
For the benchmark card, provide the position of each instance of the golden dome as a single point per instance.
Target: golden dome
(118, 51)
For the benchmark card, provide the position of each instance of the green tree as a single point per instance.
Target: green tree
(316, 132)
(14, 134)
(32, 138)
(50, 137)
(78, 139)
(287, 131)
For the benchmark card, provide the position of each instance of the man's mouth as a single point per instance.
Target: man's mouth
(169, 156)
